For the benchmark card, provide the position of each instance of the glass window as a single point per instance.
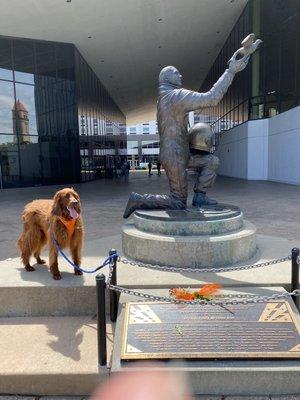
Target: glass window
(5, 60)
(24, 110)
(41, 116)
(109, 128)
(23, 53)
(31, 170)
(7, 101)
(6, 140)
(132, 147)
(9, 161)
(288, 68)
(95, 126)
(65, 61)
(10, 169)
(45, 59)
(145, 129)
(150, 144)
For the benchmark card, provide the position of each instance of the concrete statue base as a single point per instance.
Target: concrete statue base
(212, 236)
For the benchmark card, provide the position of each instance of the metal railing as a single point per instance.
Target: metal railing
(253, 108)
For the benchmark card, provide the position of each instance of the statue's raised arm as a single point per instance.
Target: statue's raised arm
(192, 101)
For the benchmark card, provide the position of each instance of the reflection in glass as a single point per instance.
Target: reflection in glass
(7, 101)
(9, 166)
(23, 52)
(45, 59)
(65, 61)
(25, 114)
(30, 161)
(5, 60)
(43, 115)
(6, 139)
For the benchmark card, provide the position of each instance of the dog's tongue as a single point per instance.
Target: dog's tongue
(73, 213)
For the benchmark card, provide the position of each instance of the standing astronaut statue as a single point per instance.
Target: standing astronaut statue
(173, 105)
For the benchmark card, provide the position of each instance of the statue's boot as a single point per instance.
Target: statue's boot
(200, 199)
(138, 201)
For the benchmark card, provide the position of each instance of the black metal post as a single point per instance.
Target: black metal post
(295, 275)
(113, 296)
(101, 319)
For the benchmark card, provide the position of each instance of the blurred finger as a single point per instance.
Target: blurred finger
(156, 385)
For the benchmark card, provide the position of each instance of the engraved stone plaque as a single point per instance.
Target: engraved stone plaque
(165, 331)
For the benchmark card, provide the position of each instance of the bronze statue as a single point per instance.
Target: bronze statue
(174, 104)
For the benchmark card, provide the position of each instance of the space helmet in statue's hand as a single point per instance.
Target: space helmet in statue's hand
(201, 137)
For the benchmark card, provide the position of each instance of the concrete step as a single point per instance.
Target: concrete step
(37, 294)
(242, 377)
(50, 356)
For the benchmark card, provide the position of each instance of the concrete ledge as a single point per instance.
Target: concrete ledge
(37, 294)
(53, 356)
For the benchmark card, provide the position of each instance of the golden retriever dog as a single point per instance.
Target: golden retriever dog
(43, 219)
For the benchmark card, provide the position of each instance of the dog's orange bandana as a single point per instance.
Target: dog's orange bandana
(69, 224)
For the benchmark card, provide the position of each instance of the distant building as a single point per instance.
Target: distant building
(142, 143)
(20, 123)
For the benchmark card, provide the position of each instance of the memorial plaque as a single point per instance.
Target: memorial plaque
(164, 331)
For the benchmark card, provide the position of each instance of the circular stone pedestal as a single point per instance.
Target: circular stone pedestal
(212, 236)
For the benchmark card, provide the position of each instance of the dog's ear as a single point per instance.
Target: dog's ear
(76, 195)
(56, 208)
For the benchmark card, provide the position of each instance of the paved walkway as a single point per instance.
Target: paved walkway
(272, 207)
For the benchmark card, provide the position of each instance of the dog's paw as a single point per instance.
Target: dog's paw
(77, 272)
(57, 277)
(29, 268)
(40, 261)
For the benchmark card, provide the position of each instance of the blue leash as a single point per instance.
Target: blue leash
(107, 260)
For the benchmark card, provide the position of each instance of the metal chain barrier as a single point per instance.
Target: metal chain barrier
(206, 269)
(223, 300)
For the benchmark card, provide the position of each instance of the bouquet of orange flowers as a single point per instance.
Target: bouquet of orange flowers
(207, 292)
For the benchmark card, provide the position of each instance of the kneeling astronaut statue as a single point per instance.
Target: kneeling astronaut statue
(179, 150)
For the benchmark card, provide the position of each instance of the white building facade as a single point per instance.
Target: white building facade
(142, 144)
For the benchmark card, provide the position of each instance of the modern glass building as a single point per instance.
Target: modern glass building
(271, 83)
(257, 122)
(58, 123)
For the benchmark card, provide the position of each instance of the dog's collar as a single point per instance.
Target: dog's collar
(69, 224)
